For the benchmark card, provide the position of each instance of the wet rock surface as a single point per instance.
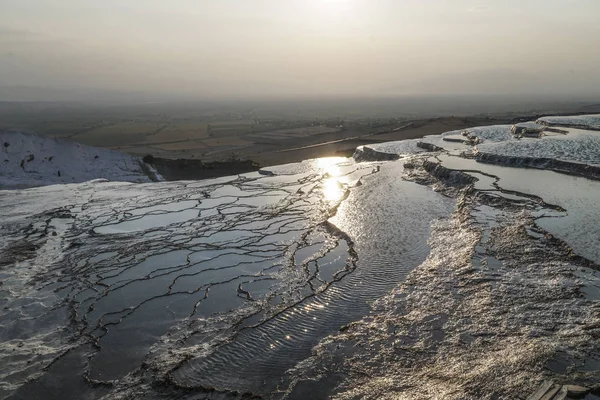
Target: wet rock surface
(211, 287)
(494, 310)
(499, 306)
(435, 273)
(365, 153)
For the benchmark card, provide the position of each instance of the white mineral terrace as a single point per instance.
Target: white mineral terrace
(459, 266)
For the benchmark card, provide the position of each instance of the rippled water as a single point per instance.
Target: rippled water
(389, 233)
(251, 270)
(262, 283)
(499, 306)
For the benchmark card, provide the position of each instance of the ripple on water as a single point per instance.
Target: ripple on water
(201, 257)
(390, 234)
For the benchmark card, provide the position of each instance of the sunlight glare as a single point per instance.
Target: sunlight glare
(332, 189)
(330, 165)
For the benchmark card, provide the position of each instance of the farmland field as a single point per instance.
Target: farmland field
(268, 134)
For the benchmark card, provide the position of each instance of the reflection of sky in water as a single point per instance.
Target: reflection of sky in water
(334, 183)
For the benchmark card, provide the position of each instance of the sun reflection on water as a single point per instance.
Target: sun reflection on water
(330, 165)
(333, 185)
(332, 189)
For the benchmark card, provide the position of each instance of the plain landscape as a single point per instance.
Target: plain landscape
(203, 139)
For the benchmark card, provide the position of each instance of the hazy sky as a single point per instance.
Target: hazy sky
(210, 48)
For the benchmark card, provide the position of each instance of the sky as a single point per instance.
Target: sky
(253, 48)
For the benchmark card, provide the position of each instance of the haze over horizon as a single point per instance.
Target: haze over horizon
(239, 49)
